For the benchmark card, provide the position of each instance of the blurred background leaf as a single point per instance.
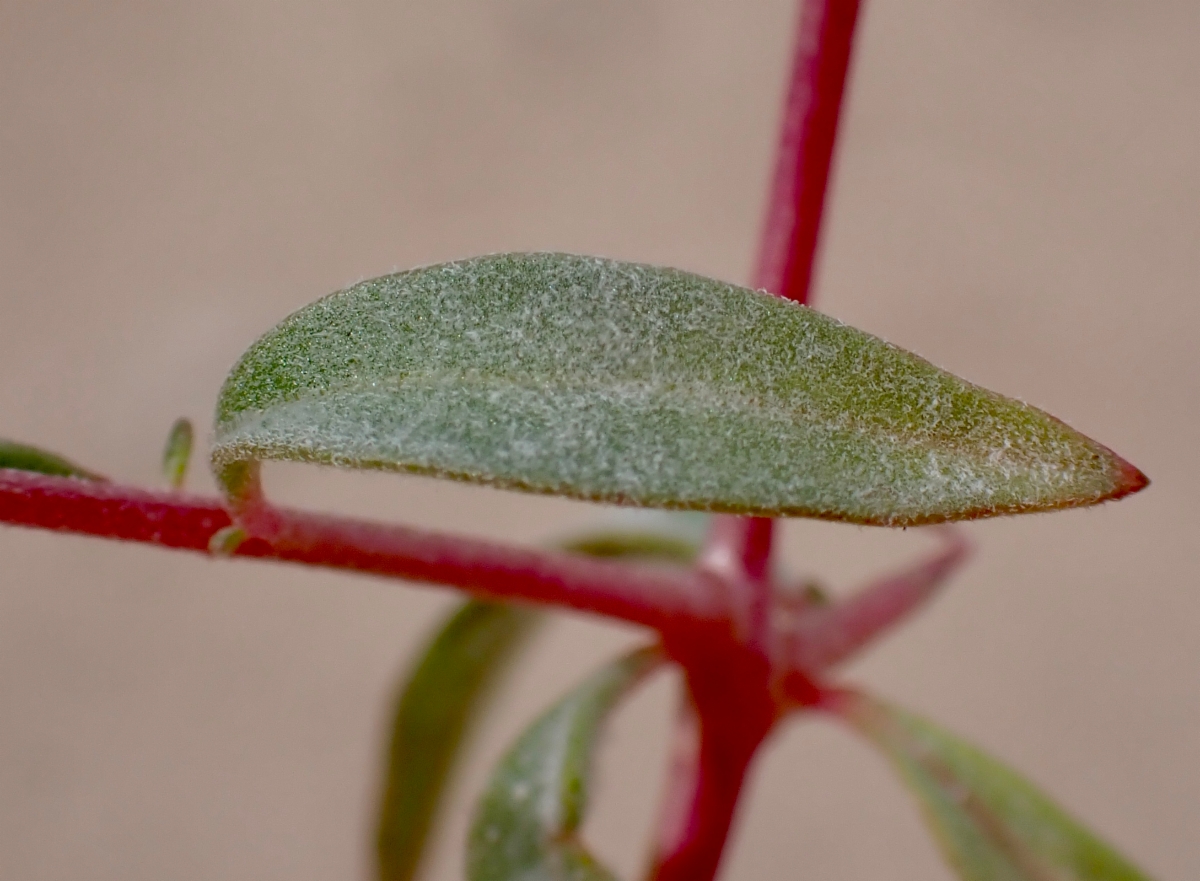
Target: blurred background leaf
(527, 823)
(23, 457)
(991, 824)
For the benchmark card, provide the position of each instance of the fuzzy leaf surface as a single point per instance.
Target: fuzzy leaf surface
(640, 385)
(22, 457)
(991, 824)
(526, 826)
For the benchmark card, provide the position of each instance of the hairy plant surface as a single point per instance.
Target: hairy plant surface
(620, 382)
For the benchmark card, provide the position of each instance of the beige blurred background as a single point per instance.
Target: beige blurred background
(1017, 198)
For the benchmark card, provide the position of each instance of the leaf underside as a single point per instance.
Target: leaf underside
(527, 822)
(634, 384)
(991, 824)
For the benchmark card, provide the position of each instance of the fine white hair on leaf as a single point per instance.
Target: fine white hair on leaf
(635, 384)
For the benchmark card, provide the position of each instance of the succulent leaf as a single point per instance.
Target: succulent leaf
(177, 453)
(435, 714)
(640, 385)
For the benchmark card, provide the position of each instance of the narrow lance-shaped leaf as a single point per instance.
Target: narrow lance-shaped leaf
(991, 824)
(177, 453)
(639, 385)
(443, 699)
(526, 826)
(23, 457)
(648, 535)
(435, 713)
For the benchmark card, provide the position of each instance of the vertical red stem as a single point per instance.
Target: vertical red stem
(730, 709)
(739, 547)
(703, 829)
(822, 59)
(804, 159)
(717, 739)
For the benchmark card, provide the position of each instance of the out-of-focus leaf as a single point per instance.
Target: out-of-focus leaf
(23, 457)
(991, 824)
(435, 713)
(526, 826)
(445, 693)
(640, 385)
(633, 544)
(669, 536)
(178, 452)
(226, 541)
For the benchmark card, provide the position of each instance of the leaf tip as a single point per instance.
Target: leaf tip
(22, 457)
(1129, 479)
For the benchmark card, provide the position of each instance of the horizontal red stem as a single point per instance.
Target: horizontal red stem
(657, 596)
(667, 598)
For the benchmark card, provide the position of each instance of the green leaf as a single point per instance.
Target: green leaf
(178, 452)
(639, 385)
(445, 694)
(991, 824)
(435, 713)
(527, 824)
(22, 457)
(671, 537)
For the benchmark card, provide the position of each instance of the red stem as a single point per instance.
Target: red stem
(728, 713)
(739, 546)
(714, 750)
(677, 811)
(825, 637)
(660, 597)
(682, 604)
(737, 550)
(805, 156)
(804, 160)
(715, 782)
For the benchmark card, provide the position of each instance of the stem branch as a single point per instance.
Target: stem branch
(828, 636)
(661, 597)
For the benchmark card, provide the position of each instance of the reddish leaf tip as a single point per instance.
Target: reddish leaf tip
(1130, 480)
